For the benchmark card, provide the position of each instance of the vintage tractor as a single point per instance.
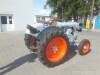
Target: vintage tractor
(52, 43)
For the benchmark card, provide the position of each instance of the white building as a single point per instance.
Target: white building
(15, 14)
(38, 18)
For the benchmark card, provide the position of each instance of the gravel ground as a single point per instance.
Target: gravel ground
(16, 59)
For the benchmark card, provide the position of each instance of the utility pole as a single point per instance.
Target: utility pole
(93, 1)
(62, 12)
(92, 10)
(63, 8)
(85, 8)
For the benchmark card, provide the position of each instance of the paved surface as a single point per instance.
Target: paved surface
(16, 59)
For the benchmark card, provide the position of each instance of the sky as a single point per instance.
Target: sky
(38, 7)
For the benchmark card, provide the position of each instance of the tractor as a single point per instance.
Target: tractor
(52, 43)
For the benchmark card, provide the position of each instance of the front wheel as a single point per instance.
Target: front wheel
(84, 47)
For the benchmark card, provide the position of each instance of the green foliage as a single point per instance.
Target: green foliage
(72, 8)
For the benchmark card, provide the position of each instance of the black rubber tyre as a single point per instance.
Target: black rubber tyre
(44, 38)
(84, 47)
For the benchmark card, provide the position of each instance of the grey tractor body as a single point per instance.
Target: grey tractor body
(68, 28)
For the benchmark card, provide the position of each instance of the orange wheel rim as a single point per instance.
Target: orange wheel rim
(56, 49)
(86, 48)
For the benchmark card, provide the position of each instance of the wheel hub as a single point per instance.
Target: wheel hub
(54, 49)
(86, 48)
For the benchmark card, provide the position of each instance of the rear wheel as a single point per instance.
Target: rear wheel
(56, 49)
(84, 47)
(53, 48)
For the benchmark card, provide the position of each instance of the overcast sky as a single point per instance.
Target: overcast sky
(38, 7)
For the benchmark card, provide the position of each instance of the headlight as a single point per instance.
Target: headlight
(32, 29)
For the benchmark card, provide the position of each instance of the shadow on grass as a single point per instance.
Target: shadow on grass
(17, 63)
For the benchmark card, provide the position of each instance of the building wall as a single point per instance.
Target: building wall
(21, 10)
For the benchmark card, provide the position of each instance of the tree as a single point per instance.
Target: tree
(96, 7)
(66, 9)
